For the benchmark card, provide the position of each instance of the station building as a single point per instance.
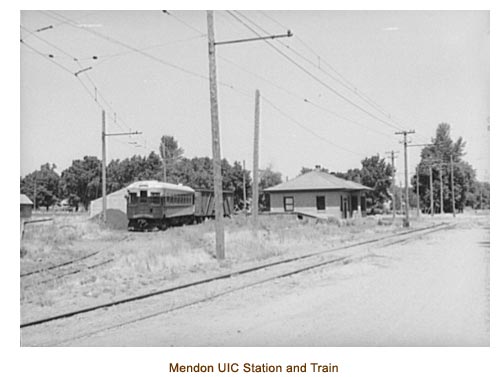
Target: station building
(319, 194)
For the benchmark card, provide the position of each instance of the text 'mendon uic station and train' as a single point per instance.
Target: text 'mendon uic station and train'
(252, 368)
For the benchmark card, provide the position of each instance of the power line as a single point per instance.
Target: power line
(180, 20)
(89, 78)
(314, 77)
(346, 83)
(291, 93)
(276, 108)
(46, 56)
(349, 86)
(132, 48)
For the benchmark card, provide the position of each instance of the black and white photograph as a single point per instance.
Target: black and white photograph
(254, 178)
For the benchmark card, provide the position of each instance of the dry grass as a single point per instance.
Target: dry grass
(177, 253)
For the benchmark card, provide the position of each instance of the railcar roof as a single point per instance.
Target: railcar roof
(156, 185)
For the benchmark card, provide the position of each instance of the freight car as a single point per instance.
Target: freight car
(153, 204)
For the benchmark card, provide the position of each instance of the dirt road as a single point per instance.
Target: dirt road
(432, 291)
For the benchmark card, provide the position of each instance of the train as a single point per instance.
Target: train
(159, 205)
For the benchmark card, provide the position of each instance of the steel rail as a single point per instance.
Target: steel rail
(63, 264)
(434, 227)
(344, 259)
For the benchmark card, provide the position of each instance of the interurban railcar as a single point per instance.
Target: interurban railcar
(153, 204)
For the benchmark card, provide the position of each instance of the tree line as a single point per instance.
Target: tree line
(81, 182)
(437, 159)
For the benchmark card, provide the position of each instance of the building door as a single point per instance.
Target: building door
(344, 207)
(354, 203)
(320, 203)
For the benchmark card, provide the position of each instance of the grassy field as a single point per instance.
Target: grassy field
(145, 261)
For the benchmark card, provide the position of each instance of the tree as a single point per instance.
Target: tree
(437, 156)
(170, 152)
(376, 174)
(81, 182)
(235, 176)
(351, 175)
(45, 183)
(267, 178)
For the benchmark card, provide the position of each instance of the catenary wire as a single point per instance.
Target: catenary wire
(314, 77)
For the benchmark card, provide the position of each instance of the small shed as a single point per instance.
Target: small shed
(26, 207)
(115, 200)
(319, 194)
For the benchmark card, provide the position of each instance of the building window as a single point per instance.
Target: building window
(320, 203)
(288, 203)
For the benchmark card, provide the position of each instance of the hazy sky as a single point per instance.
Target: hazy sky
(414, 69)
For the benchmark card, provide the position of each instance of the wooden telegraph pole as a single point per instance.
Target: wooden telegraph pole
(432, 191)
(441, 210)
(164, 162)
(406, 222)
(219, 227)
(452, 186)
(244, 190)
(418, 192)
(104, 204)
(255, 189)
(214, 111)
(104, 134)
(393, 184)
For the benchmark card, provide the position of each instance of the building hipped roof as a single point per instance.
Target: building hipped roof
(25, 200)
(316, 180)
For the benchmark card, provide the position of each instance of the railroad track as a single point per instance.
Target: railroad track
(60, 270)
(316, 260)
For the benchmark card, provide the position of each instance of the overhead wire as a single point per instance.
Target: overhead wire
(341, 78)
(97, 92)
(133, 49)
(354, 89)
(296, 122)
(94, 95)
(130, 47)
(301, 98)
(397, 125)
(314, 77)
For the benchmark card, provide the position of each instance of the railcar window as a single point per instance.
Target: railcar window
(155, 197)
(182, 199)
(133, 198)
(144, 197)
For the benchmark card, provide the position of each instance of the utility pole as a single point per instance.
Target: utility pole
(441, 211)
(244, 190)
(214, 111)
(406, 222)
(393, 184)
(400, 196)
(103, 136)
(34, 199)
(418, 177)
(255, 190)
(432, 191)
(418, 192)
(104, 204)
(452, 186)
(219, 226)
(164, 162)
